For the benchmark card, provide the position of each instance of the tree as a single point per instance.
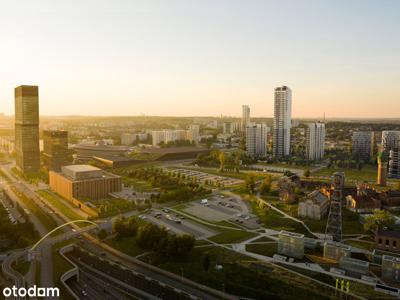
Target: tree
(222, 159)
(250, 183)
(118, 225)
(266, 185)
(380, 219)
(102, 234)
(307, 173)
(206, 262)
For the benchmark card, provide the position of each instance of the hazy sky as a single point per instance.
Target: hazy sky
(202, 57)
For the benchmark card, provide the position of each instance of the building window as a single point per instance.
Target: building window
(380, 241)
(394, 244)
(387, 242)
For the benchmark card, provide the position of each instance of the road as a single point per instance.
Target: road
(9, 272)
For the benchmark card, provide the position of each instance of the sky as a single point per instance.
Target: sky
(204, 57)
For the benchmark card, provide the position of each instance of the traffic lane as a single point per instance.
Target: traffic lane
(97, 287)
(111, 291)
(86, 291)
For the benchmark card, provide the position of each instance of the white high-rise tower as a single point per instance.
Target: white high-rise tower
(256, 140)
(315, 141)
(282, 121)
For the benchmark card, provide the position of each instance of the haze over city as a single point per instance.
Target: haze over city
(186, 58)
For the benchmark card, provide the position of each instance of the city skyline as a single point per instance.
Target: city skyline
(133, 58)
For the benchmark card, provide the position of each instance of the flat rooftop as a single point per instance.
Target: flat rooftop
(168, 150)
(81, 168)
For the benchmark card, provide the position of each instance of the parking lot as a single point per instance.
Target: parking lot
(223, 208)
(178, 223)
(202, 177)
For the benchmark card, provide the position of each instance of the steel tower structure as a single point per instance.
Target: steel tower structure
(334, 223)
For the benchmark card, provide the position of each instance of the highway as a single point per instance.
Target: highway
(166, 278)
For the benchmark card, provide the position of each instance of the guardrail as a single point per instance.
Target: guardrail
(70, 273)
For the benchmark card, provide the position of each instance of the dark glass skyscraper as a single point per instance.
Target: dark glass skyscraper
(55, 144)
(27, 128)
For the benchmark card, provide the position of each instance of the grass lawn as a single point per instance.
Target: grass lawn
(57, 202)
(126, 245)
(264, 249)
(367, 173)
(137, 184)
(238, 278)
(263, 239)
(284, 166)
(368, 292)
(350, 223)
(227, 224)
(201, 243)
(274, 220)
(315, 225)
(227, 236)
(361, 244)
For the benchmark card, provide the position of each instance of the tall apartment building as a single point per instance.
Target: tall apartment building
(390, 139)
(55, 149)
(362, 143)
(282, 121)
(130, 138)
(27, 128)
(158, 136)
(193, 133)
(172, 135)
(245, 116)
(256, 140)
(227, 128)
(315, 141)
(394, 163)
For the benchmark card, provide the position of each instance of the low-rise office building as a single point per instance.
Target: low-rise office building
(84, 182)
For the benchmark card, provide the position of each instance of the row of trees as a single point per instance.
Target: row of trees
(114, 206)
(173, 186)
(224, 161)
(154, 238)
